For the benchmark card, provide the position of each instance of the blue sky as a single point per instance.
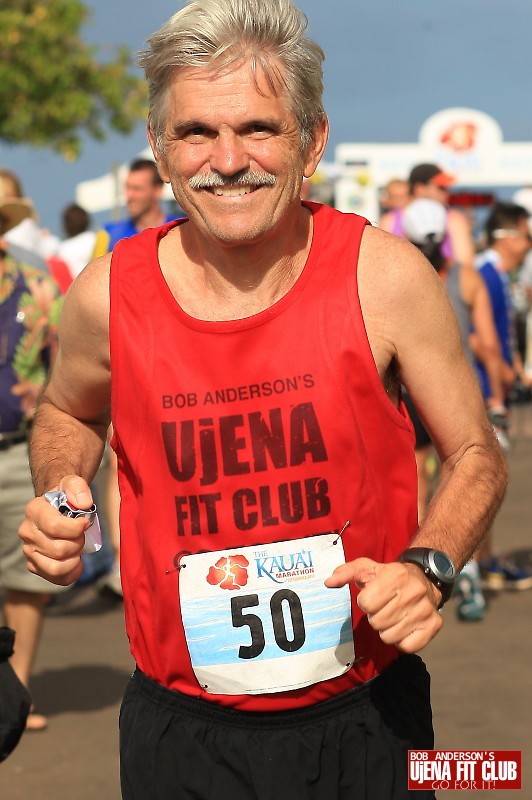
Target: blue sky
(389, 65)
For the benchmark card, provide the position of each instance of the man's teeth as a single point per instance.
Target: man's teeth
(231, 191)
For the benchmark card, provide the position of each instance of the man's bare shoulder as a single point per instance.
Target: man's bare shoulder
(93, 280)
(390, 262)
(401, 296)
(89, 293)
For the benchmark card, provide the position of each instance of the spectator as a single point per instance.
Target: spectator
(508, 237)
(26, 234)
(143, 191)
(29, 311)
(430, 182)
(77, 249)
(395, 195)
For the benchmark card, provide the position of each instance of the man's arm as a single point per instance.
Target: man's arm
(70, 428)
(461, 238)
(411, 324)
(477, 298)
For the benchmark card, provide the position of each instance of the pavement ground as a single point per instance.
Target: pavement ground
(481, 674)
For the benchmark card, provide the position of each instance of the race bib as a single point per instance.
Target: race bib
(260, 620)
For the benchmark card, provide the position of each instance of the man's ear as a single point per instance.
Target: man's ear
(160, 159)
(316, 148)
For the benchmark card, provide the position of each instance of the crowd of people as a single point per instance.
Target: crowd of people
(486, 274)
(319, 328)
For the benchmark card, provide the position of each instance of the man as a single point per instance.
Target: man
(395, 195)
(29, 311)
(262, 445)
(143, 190)
(428, 181)
(508, 237)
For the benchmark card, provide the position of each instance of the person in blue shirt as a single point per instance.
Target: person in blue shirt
(143, 191)
(508, 238)
(509, 241)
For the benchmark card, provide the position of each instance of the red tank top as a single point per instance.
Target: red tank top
(246, 432)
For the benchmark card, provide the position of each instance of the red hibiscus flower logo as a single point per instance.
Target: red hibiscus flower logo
(229, 572)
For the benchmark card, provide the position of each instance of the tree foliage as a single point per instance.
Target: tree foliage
(53, 86)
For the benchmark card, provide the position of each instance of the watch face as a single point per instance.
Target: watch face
(443, 565)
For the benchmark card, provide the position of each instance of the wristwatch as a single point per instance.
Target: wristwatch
(436, 565)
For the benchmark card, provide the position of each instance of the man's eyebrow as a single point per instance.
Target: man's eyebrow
(182, 127)
(262, 122)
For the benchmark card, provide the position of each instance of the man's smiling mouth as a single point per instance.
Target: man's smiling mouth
(232, 191)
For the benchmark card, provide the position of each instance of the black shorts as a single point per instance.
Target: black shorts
(175, 747)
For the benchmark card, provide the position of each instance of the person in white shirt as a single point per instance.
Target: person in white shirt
(76, 251)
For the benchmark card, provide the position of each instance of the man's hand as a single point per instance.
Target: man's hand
(400, 602)
(52, 542)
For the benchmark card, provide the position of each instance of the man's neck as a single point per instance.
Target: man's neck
(223, 283)
(151, 219)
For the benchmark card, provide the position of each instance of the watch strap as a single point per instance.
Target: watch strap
(421, 557)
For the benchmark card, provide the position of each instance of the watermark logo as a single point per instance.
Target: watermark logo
(464, 769)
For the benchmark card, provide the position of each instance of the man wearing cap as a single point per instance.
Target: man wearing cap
(430, 182)
(29, 311)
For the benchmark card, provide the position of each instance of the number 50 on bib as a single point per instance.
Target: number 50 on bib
(259, 619)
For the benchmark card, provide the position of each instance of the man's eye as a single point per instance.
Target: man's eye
(260, 131)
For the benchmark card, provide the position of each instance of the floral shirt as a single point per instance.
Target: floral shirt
(30, 305)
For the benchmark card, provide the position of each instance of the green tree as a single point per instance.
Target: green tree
(53, 86)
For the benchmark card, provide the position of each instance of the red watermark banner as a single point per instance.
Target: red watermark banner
(464, 769)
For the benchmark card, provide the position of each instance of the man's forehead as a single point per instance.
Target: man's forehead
(266, 83)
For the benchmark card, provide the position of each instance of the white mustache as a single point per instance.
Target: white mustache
(249, 178)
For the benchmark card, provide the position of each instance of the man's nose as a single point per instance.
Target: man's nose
(229, 154)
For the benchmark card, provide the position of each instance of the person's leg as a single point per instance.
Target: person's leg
(24, 613)
(25, 594)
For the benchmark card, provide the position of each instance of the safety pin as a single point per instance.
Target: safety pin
(175, 569)
(343, 529)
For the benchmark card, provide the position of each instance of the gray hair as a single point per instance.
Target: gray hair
(219, 33)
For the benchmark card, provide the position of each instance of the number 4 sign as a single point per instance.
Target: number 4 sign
(260, 619)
